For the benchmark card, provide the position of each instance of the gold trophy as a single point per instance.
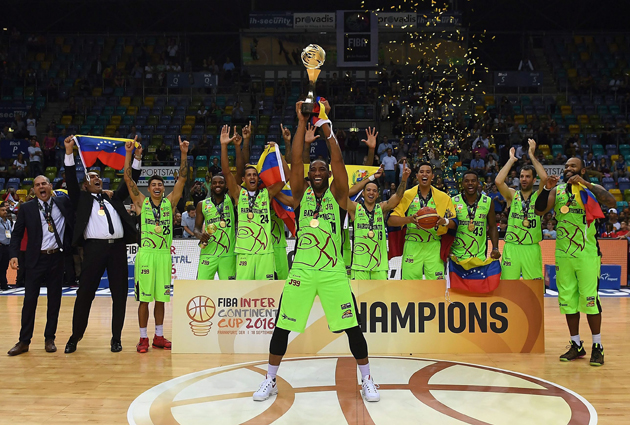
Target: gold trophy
(313, 57)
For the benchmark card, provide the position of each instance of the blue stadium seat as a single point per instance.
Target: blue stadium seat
(13, 182)
(608, 183)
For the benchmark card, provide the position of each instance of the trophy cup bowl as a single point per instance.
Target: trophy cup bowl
(313, 57)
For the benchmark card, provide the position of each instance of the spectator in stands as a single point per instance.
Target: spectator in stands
(603, 167)
(481, 150)
(549, 232)
(499, 200)
(624, 231)
(503, 224)
(35, 158)
(483, 138)
(188, 221)
(215, 168)
(215, 113)
(133, 133)
(5, 133)
(477, 164)
(61, 184)
(5, 239)
(621, 169)
(202, 115)
(516, 138)
(108, 76)
(352, 146)
(228, 69)
(610, 232)
(136, 74)
(163, 154)
(119, 80)
(19, 127)
(238, 113)
(148, 74)
(559, 159)
(389, 165)
(613, 218)
(172, 48)
(31, 125)
(198, 193)
(514, 181)
(178, 229)
(50, 142)
(492, 166)
(382, 148)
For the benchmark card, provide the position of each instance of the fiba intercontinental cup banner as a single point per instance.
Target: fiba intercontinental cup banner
(396, 316)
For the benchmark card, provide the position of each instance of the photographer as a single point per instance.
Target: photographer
(198, 193)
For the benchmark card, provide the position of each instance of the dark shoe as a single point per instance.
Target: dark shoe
(116, 346)
(597, 356)
(71, 347)
(50, 346)
(4, 288)
(20, 347)
(575, 352)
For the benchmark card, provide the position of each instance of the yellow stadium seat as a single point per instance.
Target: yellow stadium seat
(66, 49)
(120, 66)
(578, 39)
(479, 109)
(45, 65)
(66, 120)
(149, 101)
(21, 193)
(584, 56)
(115, 120)
(583, 119)
(519, 119)
(544, 149)
(228, 110)
(566, 110)
(132, 110)
(129, 49)
(97, 91)
(574, 129)
(488, 100)
(614, 157)
(40, 57)
(572, 72)
(269, 91)
(617, 194)
(125, 101)
(190, 120)
(186, 129)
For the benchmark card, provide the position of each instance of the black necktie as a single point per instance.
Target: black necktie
(110, 224)
(48, 211)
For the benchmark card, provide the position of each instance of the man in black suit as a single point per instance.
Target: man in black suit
(48, 221)
(103, 228)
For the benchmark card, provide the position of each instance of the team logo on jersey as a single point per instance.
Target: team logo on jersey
(346, 314)
(345, 306)
(507, 263)
(285, 317)
(242, 263)
(590, 301)
(459, 207)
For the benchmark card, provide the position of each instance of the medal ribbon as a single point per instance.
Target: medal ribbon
(252, 200)
(526, 205)
(220, 207)
(424, 201)
(472, 209)
(370, 215)
(47, 214)
(571, 196)
(157, 211)
(318, 205)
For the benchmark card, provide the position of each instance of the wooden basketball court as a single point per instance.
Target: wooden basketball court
(96, 386)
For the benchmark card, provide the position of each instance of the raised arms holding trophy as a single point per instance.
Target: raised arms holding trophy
(313, 57)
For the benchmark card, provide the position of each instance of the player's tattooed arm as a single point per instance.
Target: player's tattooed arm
(178, 190)
(135, 194)
(393, 201)
(603, 196)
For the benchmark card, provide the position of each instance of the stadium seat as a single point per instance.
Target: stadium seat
(608, 183)
(617, 194)
(14, 183)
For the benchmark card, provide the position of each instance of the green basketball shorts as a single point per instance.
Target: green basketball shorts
(368, 275)
(152, 271)
(422, 259)
(210, 265)
(525, 260)
(577, 280)
(335, 294)
(282, 262)
(255, 266)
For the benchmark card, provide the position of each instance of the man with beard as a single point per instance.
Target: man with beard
(153, 265)
(578, 257)
(369, 245)
(475, 213)
(254, 243)
(521, 252)
(215, 226)
(421, 251)
(318, 267)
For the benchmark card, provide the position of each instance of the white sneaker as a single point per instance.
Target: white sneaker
(267, 388)
(370, 391)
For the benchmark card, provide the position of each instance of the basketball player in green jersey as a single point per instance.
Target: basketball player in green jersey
(153, 265)
(578, 257)
(421, 251)
(475, 214)
(215, 225)
(254, 244)
(521, 252)
(369, 247)
(318, 267)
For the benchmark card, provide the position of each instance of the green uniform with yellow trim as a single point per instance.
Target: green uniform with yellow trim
(318, 268)
(218, 256)
(521, 252)
(153, 265)
(254, 243)
(471, 243)
(279, 247)
(578, 258)
(369, 254)
(421, 251)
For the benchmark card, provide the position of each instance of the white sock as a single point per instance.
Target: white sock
(576, 339)
(597, 339)
(159, 330)
(143, 333)
(272, 371)
(365, 370)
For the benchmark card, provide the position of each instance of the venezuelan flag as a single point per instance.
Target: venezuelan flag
(109, 150)
(585, 199)
(319, 117)
(271, 171)
(474, 274)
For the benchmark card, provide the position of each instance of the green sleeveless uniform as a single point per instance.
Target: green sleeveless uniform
(347, 246)
(471, 243)
(218, 255)
(279, 247)
(254, 243)
(318, 268)
(153, 264)
(521, 252)
(421, 251)
(369, 254)
(578, 258)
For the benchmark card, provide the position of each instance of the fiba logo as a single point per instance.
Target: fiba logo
(326, 390)
(200, 310)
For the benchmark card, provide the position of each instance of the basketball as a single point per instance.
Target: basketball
(200, 309)
(427, 218)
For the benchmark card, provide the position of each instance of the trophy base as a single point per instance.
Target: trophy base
(307, 108)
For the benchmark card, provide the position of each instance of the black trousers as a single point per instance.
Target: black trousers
(98, 255)
(48, 271)
(4, 265)
(19, 278)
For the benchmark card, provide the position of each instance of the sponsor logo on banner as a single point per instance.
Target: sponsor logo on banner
(271, 20)
(397, 20)
(314, 20)
(431, 19)
(167, 173)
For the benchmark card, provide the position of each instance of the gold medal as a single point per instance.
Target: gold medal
(564, 209)
(211, 228)
(158, 229)
(471, 226)
(370, 234)
(526, 223)
(202, 245)
(101, 212)
(314, 223)
(50, 228)
(250, 215)
(223, 223)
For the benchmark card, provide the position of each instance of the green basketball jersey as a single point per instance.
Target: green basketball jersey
(369, 253)
(319, 248)
(254, 235)
(156, 239)
(517, 232)
(223, 240)
(418, 234)
(471, 243)
(574, 239)
(277, 231)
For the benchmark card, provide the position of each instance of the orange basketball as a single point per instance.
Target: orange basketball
(427, 218)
